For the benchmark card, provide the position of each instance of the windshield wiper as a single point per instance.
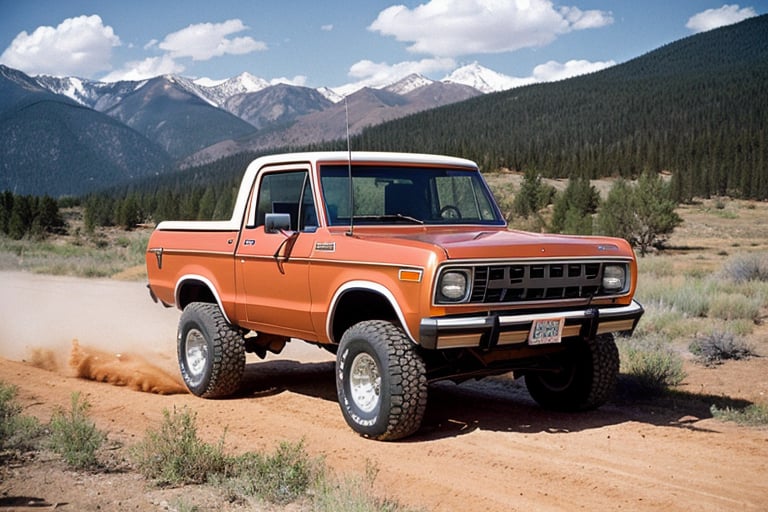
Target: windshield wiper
(392, 217)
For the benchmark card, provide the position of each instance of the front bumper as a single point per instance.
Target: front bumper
(508, 329)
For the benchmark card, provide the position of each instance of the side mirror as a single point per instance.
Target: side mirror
(277, 222)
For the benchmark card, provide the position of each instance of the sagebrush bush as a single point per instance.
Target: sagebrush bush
(649, 366)
(718, 346)
(282, 477)
(17, 432)
(175, 455)
(74, 436)
(747, 267)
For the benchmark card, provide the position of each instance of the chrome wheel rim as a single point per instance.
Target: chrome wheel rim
(365, 382)
(195, 355)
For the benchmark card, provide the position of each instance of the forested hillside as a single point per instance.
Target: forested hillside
(51, 145)
(697, 108)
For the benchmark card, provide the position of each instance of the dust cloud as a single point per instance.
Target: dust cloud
(97, 329)
(122, 370)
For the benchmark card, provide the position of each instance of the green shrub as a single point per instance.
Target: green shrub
(752, 415)
(718, 346)
(74, 436)
(282, 477)
(649, 366)
(174, 455)
(17, 432)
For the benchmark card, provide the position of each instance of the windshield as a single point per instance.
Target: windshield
(407, 195)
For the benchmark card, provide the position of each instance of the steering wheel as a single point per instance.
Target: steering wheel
(449, 211)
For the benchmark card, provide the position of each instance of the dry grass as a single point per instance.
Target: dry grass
(107, 252)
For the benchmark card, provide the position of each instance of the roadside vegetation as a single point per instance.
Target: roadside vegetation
(172, 454)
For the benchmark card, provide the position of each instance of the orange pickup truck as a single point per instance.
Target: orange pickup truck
(403, 266)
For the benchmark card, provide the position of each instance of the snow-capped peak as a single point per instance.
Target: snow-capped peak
(242, 83)
(482, 78)
(408, 84)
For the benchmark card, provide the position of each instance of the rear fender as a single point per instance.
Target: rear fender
(192, 286)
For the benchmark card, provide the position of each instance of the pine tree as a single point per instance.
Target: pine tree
(129, 212)
(643, 214)
(533, 195)
(6, 207)
(574, 208)
(21, 218)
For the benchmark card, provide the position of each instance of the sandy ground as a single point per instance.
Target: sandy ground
(484, 446)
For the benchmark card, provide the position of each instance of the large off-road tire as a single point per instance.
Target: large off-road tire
(585, 380)
(211, 352)
(381, 381)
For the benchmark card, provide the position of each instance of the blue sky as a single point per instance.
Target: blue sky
(333, 43)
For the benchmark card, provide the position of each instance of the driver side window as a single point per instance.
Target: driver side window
(287, 192)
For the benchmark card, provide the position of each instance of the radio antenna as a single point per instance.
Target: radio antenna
(349, 172)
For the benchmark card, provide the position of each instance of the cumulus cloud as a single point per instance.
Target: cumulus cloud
(298, 80)
(80, 46)
(147, 68)
(552, 70)
(204, 41)
(714, 18)
(450, 28)
(326, 28)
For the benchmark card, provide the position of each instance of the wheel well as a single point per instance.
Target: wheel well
(194, 291)
(358, 305)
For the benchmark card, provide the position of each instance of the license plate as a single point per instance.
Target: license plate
(546, 331)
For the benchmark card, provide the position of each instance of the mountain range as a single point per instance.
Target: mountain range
(69, 136)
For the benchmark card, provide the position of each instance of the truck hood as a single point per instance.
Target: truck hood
(505, 244)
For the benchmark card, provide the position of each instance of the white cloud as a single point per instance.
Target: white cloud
(714, 18)
(326, 28)
(204, 41)
(147, 68)
(451, 28)
(552, 70)
(298, 80)
(80, 46)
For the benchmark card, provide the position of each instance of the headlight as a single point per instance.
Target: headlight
(452, 286)
(614, 278)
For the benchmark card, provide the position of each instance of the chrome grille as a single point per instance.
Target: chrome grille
(526, 282)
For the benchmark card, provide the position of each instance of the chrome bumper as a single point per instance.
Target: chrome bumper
(508, 329)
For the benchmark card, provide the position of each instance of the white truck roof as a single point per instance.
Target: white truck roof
(314, 158)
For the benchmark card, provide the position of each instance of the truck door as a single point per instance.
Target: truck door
(274, 267)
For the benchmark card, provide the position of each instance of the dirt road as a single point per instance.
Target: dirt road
(484, 446)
